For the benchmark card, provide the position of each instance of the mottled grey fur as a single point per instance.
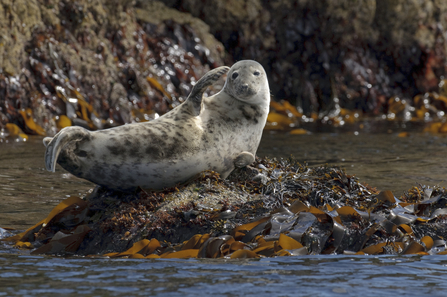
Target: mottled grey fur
(217, 133)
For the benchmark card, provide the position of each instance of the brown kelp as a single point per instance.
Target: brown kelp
(96, 65)
(275, 208)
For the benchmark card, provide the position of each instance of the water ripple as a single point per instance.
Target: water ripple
(287, 276)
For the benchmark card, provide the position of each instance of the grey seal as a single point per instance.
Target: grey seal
(216, 133)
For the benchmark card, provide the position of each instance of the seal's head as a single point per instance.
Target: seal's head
(246, 81)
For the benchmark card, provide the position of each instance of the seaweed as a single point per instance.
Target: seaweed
(273, 208)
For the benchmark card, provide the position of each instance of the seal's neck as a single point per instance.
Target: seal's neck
(230, 109)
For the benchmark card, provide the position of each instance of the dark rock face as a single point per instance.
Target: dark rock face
(99, 63)
(104, 63)
(313, 51)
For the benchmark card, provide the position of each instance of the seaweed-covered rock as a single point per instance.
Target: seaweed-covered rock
(97, 63)
(102, 63)
(276, 208)
(319, 54)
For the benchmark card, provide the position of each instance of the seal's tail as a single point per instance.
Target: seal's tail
(54, 145)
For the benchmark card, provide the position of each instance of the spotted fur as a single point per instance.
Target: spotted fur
(217, 133)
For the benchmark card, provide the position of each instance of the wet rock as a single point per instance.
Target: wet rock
(300, 210)
(98, 62)
(157, 13)
(69, 58)
(323, 54)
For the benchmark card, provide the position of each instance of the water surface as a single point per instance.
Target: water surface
(27, 191)
(283, 276)
(386, 161)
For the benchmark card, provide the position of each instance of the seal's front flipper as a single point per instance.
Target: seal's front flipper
(54, 145)
(195, 97)
(244, 159)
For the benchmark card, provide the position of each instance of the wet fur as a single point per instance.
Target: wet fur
(213, 133)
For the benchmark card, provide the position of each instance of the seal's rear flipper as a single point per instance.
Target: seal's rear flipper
(195, 97)
(54, 145)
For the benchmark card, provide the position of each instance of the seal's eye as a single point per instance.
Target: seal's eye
(256, 73)
(234, 75)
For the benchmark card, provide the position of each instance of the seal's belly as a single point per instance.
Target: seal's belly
(155, 175)
(121, 161)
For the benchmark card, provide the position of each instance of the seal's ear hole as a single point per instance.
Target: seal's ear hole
(234, 75)
(256, 73)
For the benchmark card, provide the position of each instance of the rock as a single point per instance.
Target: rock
(352, 55)
(71, 57)
(157, 13)
(298, 211)
(323, 57)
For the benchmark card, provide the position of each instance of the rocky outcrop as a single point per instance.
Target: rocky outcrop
(99, 63)
(277, 208)
(103, 63)
(321, 53)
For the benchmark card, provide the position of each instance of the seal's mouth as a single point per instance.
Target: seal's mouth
(244, 91)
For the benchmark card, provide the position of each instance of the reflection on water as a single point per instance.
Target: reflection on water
(384, 161)
(284, 276)
(28, 193)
